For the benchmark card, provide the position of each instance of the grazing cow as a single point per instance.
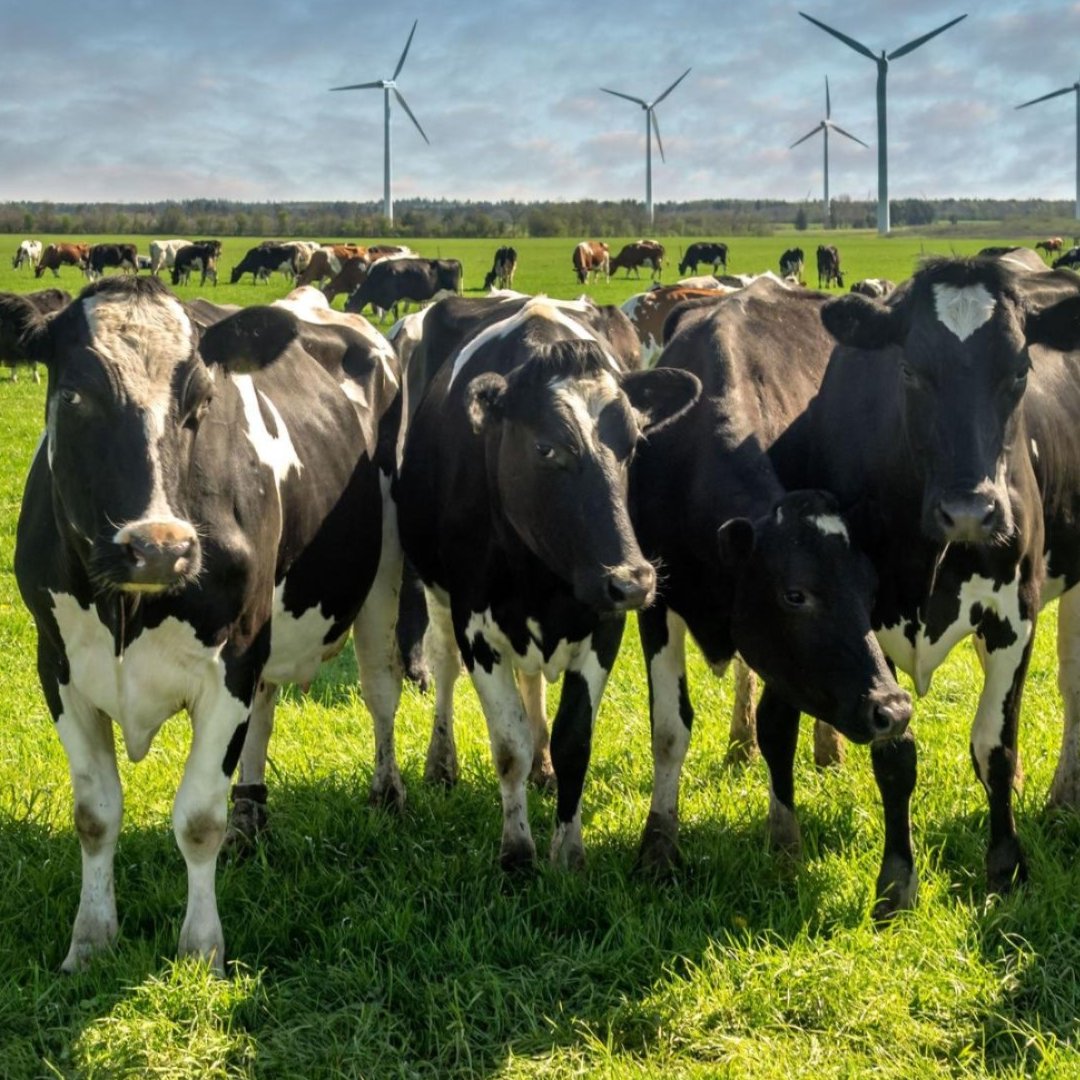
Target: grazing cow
(1049, 245)
(828, 267)
(704, 252)
(327, 261)
(1070, 260)
(638, 254)
(513, 509)
(875, 288)
(193, 257)
(119, 256)
(56, 255)
(390, 282)
(591, 257)
(27, 254)
(262, 261)
(748, 565)
(791, 263)
(19, 313)
(353, 271)
(206, 519)
(648, 311)
(503, 268)
(163, 254)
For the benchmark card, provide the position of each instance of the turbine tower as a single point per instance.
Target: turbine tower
(388, 87)
(1075, 88)
(882, 62)
(824, 127)
(651, 126)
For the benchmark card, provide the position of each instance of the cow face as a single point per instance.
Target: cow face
(962, 337)
(560, 431)
(801, 616)
(127, 390)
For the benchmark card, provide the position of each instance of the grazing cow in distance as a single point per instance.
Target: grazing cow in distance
(513, 508)
(875, 288)
(1070, 260)
(56, 255)
(206, 519)
(20, 313)
(327, 261)
(28, 253)
(591, 257)
(262, 261)
(641, 253)
(503, 268)
(389, 282)
(704, 251)
(348, 278)
(191, 257)
(791, 263)
(163, 254)
(828, 266)
(118, 256)
(1049, 245)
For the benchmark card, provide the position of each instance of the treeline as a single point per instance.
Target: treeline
(450, 218)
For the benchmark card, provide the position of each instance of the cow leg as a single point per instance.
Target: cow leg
(671, 719)
(534, 697)
(411, 627)
(571, 737)
(440, 645)
(894, 772)
(828, 745)
(247, 818)
(778, 735)
(742, 738)
(1065, 790)
(87, 738)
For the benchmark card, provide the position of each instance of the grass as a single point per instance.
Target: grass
(368, 945)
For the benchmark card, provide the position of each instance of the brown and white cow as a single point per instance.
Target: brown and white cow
(57, 255)
(592, 257)
(327, 261)
(648, 311)
(1050, 245)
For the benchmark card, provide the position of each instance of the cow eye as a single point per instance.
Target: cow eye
(545, 450)
(909, 375)
(1020, 379)
(795, 598)
(69, 396)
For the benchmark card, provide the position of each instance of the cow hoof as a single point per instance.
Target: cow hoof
(247, 819)
(542, 774)
(658, 856)
(518, 857)
(85, 947)
(388, 794)
(740, 752)
(897, 887)
(783, 830)
(210, 948)
(1006, 866)
(440, 769)
(567, 854)
(828, 746)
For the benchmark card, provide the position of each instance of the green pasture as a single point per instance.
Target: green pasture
(365, 944)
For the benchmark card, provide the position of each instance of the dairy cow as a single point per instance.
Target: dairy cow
(715, 254)
(191, 257)
(117, 256)
(828, 266)
(163, 254)
(260, 262)
(791, 263)
(503, 268)
(390, 282)
(56, 255)
(634, 256)
(20, 313)
(591, 257)
(28, 253)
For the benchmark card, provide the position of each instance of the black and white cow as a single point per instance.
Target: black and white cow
(715, 254)
(20, 313)
(28, 254)
(390, 282)
(791, 263)
(748, 565)
(192, 257)
(260, 262)
(206, 519)
(503, 268)
(513, 508)
(117, 256)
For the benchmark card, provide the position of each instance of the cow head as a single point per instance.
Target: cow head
(960, 334)
(560, 431)
(801, 616)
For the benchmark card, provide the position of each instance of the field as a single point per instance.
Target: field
(365, 944)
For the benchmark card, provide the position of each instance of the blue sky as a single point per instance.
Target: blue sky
(148, 99)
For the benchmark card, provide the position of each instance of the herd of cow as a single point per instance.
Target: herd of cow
(835, 487)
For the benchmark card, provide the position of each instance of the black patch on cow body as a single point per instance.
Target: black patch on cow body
(236, 745)
(686, 708)
(997, 632)
(483, 654)
(571, 742)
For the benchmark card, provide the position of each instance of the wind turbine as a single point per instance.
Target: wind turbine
(882, 62)
(651, 126)
(824, 127)
(388, 87)
(1075, 88)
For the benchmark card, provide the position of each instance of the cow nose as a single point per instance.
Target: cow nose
(888, 713)
(631, 587)
(159, 553)
(971, 519)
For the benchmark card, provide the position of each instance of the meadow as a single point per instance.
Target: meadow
(362, 943)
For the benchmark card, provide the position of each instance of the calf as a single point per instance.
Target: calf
(205, 519)
(56, 255)
(389, 282)
(19, 314)
(714, 254)
(28, 253)
(503, 267)
(828, 267)
(591, 257)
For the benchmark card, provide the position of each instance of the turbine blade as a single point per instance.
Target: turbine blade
(1046, 97)
(858, 46)
(360, 86)
(854, 138)
(911, 46)
(671, 87)
(806, 136)
(656, 132)
(404, 52)
(828, 103)
(402, 102)
(636, 100)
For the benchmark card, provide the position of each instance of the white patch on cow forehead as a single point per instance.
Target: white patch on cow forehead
(586, 398)
(830, 525)
(963, 310)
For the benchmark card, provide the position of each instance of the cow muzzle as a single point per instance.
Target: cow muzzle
(967, 518)
(885, 714)
(630, 587)
(159, 556)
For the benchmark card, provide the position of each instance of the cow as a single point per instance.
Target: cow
(353, 271)
(591, 257)
(875, 288)
(28, 253)
(19, 313)
(503, 268)
(205, 520)
(791, 263)
(56, 255)
(641, 253)
(648, 312)
(512, 506)
(715, 254)
(119, 256)
(389, 282)
(749, 565)
(262, 261)
(1050, 245)
(699, 281)
(327, 261)
(828, 267)
(163, 254)
(192, 257)
(1070, 260)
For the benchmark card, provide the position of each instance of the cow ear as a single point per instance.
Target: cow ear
(1057, 327)
(735, 541)
(484, 399)
(660, 396)
(250, 340)
(862, 323)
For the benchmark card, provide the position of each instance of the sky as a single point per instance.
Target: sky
(139, 100)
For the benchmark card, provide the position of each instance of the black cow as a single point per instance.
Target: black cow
(503, 267)
(204, 521)
(704, 252)
(828, 267)
(201, 256)
(20, 313)
(262, 261)
(747, 565)
(1070, 260)
(118, 256)
(513, 509)
(791, 263)
(389, 282)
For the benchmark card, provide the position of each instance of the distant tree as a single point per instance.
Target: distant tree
(800, 219)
